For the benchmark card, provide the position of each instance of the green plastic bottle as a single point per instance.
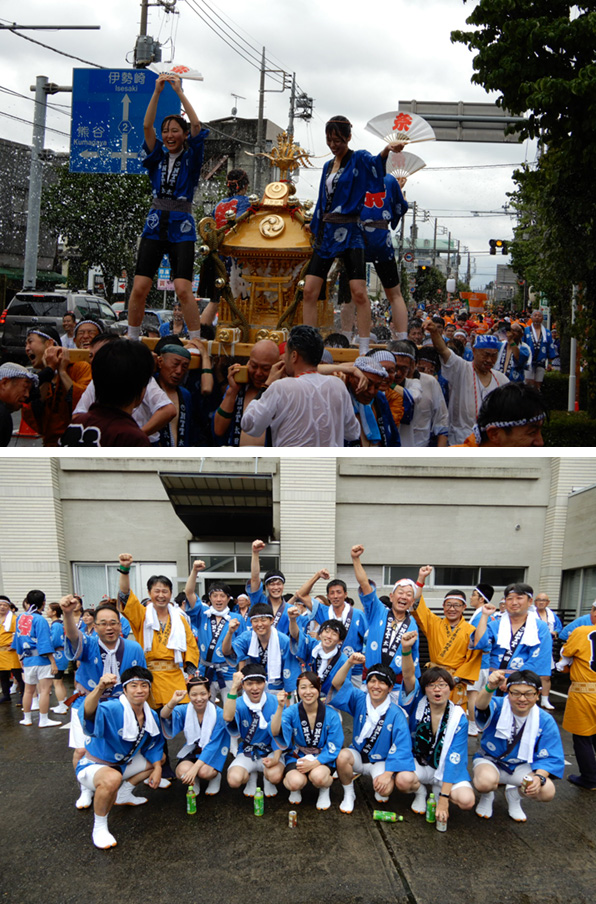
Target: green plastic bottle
(259, 802)
(191, 801)
(431, 808)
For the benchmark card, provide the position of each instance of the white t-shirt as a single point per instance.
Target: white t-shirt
(466, 394)
(430, 415)
(155, 398)
(309, 410)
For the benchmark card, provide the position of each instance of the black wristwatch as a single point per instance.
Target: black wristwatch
(542, 780)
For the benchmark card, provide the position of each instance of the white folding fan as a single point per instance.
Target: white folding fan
(178, 69)
(403, 164)
(407, 128)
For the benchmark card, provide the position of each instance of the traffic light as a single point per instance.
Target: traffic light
(500, 244)
(423, 269)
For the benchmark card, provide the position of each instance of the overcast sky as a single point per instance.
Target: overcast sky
(348, 61)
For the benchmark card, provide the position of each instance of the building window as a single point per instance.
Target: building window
(94, 581)
(457, 575)
(578, 589)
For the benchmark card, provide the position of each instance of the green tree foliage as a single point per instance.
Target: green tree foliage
(540, 55)
(100, 217)
(428, 282)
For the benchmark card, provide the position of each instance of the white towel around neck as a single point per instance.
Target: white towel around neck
(273, 654)
(8, 621)
(344, 613)
(224, 613)
(110, 663)
(324, 657)
(505, 730)
(529, 637)
(130, 727)
(194, 731)
(177, 638)
(257, 707)
(373, 714)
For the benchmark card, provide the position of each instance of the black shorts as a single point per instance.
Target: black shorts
(59, 674)
(353, 260)
(151, 252)
(387, 272)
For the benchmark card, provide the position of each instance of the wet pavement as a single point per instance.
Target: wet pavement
(225, 854)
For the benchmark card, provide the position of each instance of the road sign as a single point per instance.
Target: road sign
(409, 257)
(108, 108)
(459, 121)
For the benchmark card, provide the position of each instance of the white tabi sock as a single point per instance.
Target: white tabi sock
(102, 838)
(34, 704)
(484, 807)
(295, 797)
(363, 345)
(347, 804)
(419, 802)
(133, 332)
(269, 789)
(251, 785)
(323, 800)
(399, 335)
(26, 720)
(546, 704)
(84, 799)
(513, 798)
(125, 796)
(45, 722)
(194, 334)
(214, 785)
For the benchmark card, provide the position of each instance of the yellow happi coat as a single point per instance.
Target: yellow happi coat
(580, 711)
(8, 658)
(450, 648)
(166, 679)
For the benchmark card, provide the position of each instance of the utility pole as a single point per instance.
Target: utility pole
(292, 102)
(258, 166)
(414, 229)
(435, 243)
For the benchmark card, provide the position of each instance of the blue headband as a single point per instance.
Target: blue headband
(486, 341)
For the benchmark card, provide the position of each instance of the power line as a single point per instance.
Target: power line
(59, 108)
(61, 52)
(29, 123)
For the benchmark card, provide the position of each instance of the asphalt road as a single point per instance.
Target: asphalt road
(226, 855)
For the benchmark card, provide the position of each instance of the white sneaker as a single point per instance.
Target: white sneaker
(269, 789)
(419, 802)
(484, 808)
(103, 839)
(251, 785)
(295, 797)
(472, 730)
(546, 704)
(85, 799)
(126, 797)
(324, 799)
(347, 804)
(214, 786)
(514, 804)
(61, 709)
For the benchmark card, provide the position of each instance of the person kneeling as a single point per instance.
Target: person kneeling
(124, 748)
(439, 731)
(205, 732)
(381, 746)
(521, 745)
(249, 718)
(313, 736)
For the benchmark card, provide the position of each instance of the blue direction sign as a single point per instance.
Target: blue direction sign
(108, 108)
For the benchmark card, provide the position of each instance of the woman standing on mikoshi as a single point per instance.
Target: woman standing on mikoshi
(335, 224)
(174, 167)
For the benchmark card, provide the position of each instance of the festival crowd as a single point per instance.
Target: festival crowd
(266, 688)
(470, 383)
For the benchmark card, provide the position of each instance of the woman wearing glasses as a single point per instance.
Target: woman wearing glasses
(439, 731)
(521, 745)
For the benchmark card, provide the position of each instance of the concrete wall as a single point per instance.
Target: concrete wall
(578, 549)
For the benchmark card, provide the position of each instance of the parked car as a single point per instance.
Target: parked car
(36, 309)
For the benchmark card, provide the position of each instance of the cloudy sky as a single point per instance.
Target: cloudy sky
(351, 58)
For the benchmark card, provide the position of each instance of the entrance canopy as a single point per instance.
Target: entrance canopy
(222, 505)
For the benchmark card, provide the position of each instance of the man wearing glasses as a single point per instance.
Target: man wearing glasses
(521, 745)
(450, 640)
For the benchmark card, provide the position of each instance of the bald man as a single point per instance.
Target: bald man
(263, 366)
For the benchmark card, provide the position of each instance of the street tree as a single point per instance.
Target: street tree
(100, 218)
(540, 55)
